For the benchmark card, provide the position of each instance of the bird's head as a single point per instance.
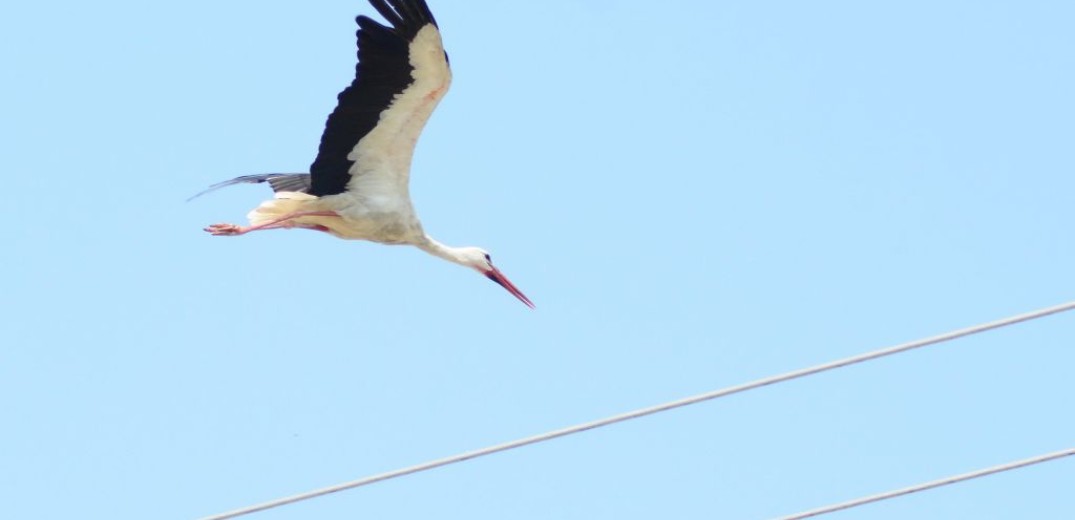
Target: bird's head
(478, 259)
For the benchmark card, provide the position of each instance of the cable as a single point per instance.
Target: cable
(930, 485)
(650, 410)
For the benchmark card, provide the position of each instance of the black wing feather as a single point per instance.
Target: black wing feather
(394, 19)
(383, 71)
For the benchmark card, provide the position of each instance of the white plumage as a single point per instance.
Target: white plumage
(357, 187)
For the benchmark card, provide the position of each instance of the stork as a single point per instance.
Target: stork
(357, 187)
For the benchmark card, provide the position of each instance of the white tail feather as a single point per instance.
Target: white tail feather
(283, 203)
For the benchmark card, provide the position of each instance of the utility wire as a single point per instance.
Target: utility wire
(930, 485)
(942, 338)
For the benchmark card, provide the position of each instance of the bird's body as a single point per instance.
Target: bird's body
(346, 215)
(357, 187)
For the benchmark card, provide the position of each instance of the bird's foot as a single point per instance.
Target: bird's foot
(225, 230)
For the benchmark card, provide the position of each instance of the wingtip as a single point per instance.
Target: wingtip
(407, 15)
(247, 179)
(214, 187)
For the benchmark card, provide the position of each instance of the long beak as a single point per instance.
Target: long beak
(495, 275)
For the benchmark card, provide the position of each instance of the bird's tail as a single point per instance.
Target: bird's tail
(280, 182)
(284, 203)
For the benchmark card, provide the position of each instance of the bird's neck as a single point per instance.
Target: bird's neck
(438, 249)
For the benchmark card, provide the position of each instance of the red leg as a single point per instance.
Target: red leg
(231, 230)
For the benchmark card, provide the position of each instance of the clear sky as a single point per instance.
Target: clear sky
(695, 194)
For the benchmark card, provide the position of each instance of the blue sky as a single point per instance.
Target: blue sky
(695, 195)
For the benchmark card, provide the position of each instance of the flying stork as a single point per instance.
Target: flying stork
(357, 187)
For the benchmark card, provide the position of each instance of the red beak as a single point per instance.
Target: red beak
(495, 275)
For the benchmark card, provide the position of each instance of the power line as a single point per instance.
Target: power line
(930, 485)
(942, 338)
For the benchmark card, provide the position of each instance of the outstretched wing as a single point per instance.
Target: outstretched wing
(293, 182)
(402, 74)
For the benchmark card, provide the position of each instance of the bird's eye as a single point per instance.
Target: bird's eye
(488, 258)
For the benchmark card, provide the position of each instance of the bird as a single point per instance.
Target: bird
(358, 184)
